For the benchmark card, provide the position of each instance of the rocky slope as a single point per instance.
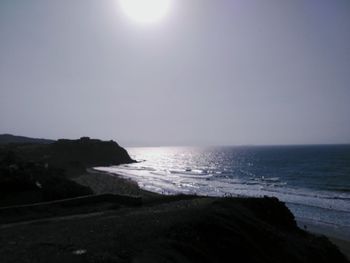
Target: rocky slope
(171, 229)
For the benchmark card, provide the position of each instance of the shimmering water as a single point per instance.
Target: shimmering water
(314, 181)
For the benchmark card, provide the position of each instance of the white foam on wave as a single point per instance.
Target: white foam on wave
(170, 182)
(331, 208)
(245, 172)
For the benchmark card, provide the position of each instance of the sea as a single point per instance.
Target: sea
(313, 181)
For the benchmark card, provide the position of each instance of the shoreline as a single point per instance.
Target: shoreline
(341, 241)
(128, 224)
(107, 183)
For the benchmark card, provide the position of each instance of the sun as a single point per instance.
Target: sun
(145, 11)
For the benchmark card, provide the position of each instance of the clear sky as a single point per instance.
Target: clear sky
(222, 72)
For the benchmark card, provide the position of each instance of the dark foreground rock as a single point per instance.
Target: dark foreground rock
(26, 182)
(171, 229)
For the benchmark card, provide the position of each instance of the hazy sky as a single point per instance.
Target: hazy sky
(211, 72)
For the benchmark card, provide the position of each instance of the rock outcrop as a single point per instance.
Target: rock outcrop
(87, 152)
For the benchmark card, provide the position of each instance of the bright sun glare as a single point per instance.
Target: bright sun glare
(146, 11)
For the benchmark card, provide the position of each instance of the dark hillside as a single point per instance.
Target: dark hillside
(32, 173)
(87, 152)
(9, 138)
(71, 154)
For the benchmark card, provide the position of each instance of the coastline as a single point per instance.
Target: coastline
(336, 237)
(150, 227)
(106, 183)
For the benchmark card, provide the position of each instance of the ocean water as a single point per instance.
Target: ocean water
(314, 181)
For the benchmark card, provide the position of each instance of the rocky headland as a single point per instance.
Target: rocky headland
(36, 172)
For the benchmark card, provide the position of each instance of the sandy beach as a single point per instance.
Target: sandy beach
(105, 183)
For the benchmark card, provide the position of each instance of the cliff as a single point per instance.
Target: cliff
(33, 172)
(87, 152)
(69, 154)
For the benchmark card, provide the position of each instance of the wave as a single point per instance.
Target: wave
(198, 182)
(317, 188)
